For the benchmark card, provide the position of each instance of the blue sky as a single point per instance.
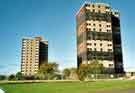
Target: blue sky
(54, 20)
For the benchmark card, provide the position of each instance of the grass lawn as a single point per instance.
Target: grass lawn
(71, 87)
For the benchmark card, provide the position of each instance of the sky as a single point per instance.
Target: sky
(55, 21)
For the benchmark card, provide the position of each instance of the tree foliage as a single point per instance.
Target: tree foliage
(3, 77)
(19, 76)
(47, 70)
(12, 77)
(93, 68)
(66, 73)
(70, 73)
(73, 73)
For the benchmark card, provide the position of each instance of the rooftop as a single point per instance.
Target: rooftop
(95, 3)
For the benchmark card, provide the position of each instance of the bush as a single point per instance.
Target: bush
(12, 77)
(3, 77)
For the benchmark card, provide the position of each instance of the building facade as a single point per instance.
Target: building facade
(98, 36)
(34, 53)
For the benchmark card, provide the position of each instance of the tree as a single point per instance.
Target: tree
(70, 73)
(73, 74)
(19, 76)
(96, 68)
(3, 77)
(83, 71)
(66, 73)
(40, 76)
(93, 68)
(47, 70)
(32, 77)
(12, 77)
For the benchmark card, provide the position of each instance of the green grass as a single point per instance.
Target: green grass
(71, 87)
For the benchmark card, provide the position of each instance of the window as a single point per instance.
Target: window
(116, 13)
(99, 11)
(100, 25)
(24, 46)
(95, 49)
(94, 29)
(94, 44)
(94, 24)
(109, 44)
(89, 44)
(90, 49)
(93, 6)
(101, 49)
(93, 10)
(108, 30)
(101, 44)
(107, 7)
(107, 12)
(109, 50)
(99, 6)
(88, 29)
(110, 65)
(86, 5)
(100, 30)
(108, 25)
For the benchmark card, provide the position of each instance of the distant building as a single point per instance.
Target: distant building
(34, 53)
(99, 37)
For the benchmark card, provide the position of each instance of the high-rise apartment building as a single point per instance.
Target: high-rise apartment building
(34, 53)
(99, 37)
